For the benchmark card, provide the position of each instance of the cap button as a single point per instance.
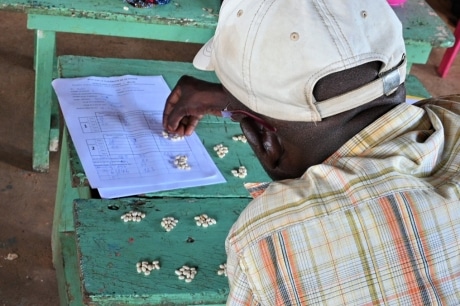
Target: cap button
(295, 36)
(240, 12)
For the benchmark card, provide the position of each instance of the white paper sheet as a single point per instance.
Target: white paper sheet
(413, 99)
(116, 127)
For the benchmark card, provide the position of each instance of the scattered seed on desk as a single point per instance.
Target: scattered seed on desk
(241, 138)
(204, 220)
(146, 267)
(222, 270)
(181, 162)
(221, 150)
(241, 172)
(186, 273)
(133, 216)
(168, 223)
(173, 137)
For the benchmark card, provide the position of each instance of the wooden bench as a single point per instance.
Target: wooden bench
(95, 252)
(180, 21)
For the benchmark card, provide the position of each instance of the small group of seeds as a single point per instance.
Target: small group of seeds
(241, 172)
(221, 150)
(222, 270)
(146, 267)
(241, 138)
(204, 220)
(168, 223)
(181, 162)
(186, 273)
(133, 216)
(173, 137)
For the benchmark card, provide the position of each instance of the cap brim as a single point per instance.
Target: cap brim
(202, 60)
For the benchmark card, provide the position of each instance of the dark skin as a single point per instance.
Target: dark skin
(295, 146)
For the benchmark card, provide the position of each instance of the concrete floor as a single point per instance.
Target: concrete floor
(26, 197)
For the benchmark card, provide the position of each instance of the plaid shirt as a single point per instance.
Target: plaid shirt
(377, 223)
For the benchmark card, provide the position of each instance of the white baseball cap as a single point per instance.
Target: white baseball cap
(270, 53)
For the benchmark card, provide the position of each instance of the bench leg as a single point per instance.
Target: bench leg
(63, 240)
(45, 57)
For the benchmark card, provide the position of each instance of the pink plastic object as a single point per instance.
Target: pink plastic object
(450, 54)
(396, 2)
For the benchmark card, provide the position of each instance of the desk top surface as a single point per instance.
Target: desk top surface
(109, 248)
(420, 22)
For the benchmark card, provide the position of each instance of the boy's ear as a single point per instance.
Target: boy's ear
(264, 143)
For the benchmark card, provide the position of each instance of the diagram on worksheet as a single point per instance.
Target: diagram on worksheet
(115, 125)
(132, 145)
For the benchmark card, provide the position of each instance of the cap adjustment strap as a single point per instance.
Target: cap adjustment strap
(386, 84)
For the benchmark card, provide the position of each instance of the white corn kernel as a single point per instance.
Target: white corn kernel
(222, 269)
(173, 137)
(181, 162)
(241, 172)
(221, 150)
(204, 220)
(168, 223)
(133, 215)
(186, 273)
(241, 138)
(146, 267)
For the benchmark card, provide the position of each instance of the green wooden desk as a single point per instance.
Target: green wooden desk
(95, 253)
(180, 20)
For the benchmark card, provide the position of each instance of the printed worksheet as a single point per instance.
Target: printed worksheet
(116, 126)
